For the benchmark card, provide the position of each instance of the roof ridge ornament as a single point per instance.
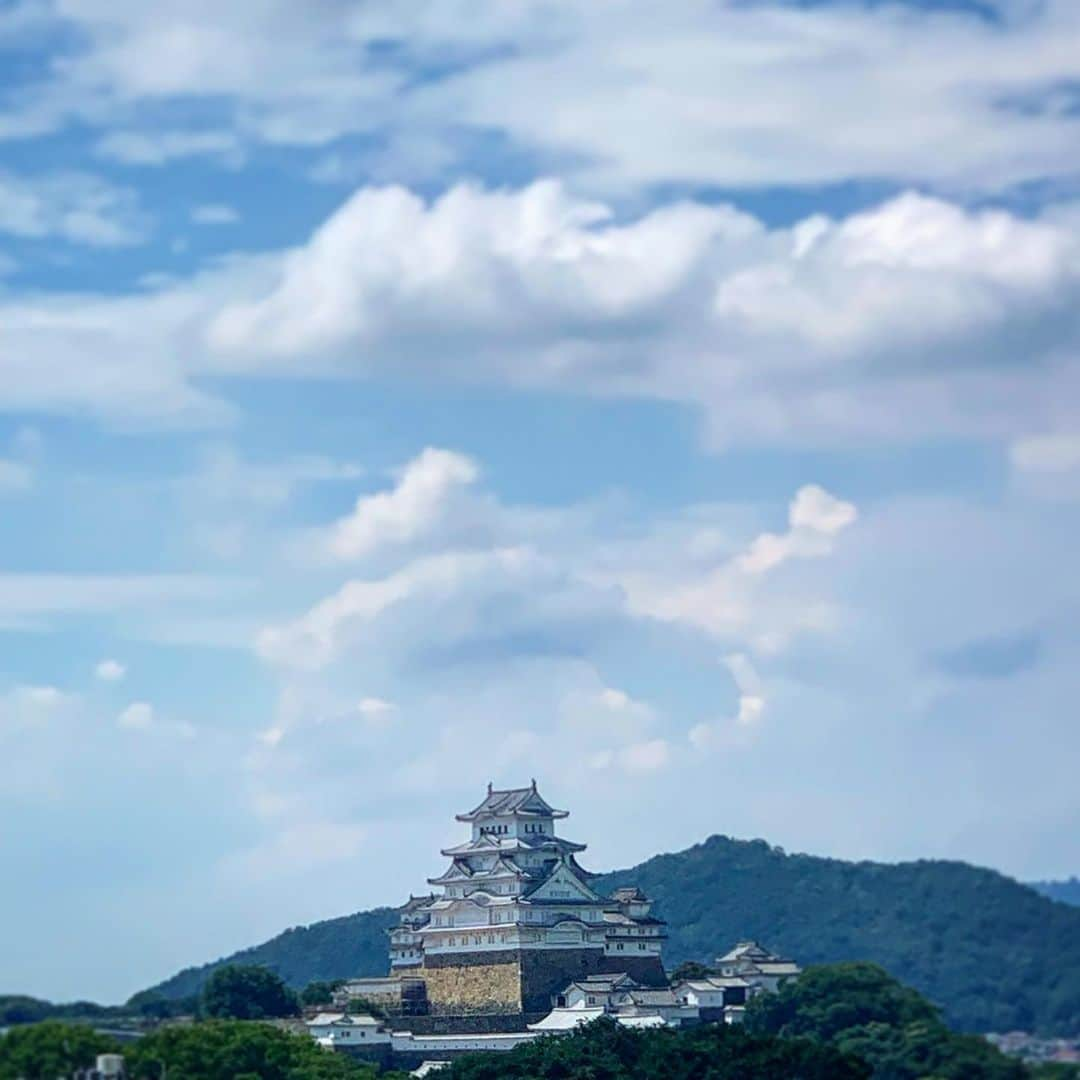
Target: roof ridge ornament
(490, 786)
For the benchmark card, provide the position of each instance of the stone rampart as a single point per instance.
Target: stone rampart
(474, 983)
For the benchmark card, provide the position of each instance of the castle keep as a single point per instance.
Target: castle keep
(516, 918)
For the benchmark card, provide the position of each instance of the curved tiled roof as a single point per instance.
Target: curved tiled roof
(505, 803)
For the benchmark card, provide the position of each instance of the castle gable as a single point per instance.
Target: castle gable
(563, 884)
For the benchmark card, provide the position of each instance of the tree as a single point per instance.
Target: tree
(49, 1049)
(247, 993)
(320, 992)
(690, 969)
(606, 1050)
(862, 1010)
(232, 1049)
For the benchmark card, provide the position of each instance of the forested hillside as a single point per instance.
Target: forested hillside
(993, 953)
(337, 948)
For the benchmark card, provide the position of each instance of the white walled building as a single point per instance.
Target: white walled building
(516, 884)
(757, 966)
(340, 1029)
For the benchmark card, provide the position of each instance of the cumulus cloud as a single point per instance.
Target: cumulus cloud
(468, 603)
(815, 517)
(138, 716)
(696, 303)
(912, 318)
(419, 502)
(110, 671)
(727, 599)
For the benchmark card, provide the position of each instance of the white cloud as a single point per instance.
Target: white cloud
(645, 757)
(827, 331)
(214, 214)
(373, 707)
(815, 509)
(454, 596)
(418, 503)
(110, 671)
(155, 148)
(1047, 466)
(54, 594)
(815, 518)
(730, 600)
(624, 94)
(139, 716)
(899, 322)
(76, 207)
(1047, 453)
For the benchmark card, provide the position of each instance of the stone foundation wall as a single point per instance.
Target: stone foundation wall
(545, 973)
(474, 983)
(463, 1024)
(647, 970)
(515, 981)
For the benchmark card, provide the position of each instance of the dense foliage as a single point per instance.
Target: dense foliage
(339, 948)
(991, 952)
(605, 1050)
(861, 1010)
(994, 954)
(148, 1005)
(47, 1050)
(247, 992)
(235, 1050)
(320, 992)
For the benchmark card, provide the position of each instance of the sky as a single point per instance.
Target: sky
(678, 404)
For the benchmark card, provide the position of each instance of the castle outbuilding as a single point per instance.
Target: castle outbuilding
(517, 918)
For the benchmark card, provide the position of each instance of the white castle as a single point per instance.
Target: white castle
(514, 890)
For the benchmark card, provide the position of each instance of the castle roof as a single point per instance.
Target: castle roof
(752, 951)
(629, 893)
(489, 843)
(523, 802)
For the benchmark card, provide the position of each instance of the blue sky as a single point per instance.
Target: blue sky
(677, 404)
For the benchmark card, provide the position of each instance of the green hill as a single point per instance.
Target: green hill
(334, 949)
(994, 954)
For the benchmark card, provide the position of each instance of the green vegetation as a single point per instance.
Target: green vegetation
(605, 1050)
(238, 1050)
(339, 948)
(320, 992)
(861, 1010)
(148, 1005)
(50, 1049)
(247, 992)
(994, 954)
